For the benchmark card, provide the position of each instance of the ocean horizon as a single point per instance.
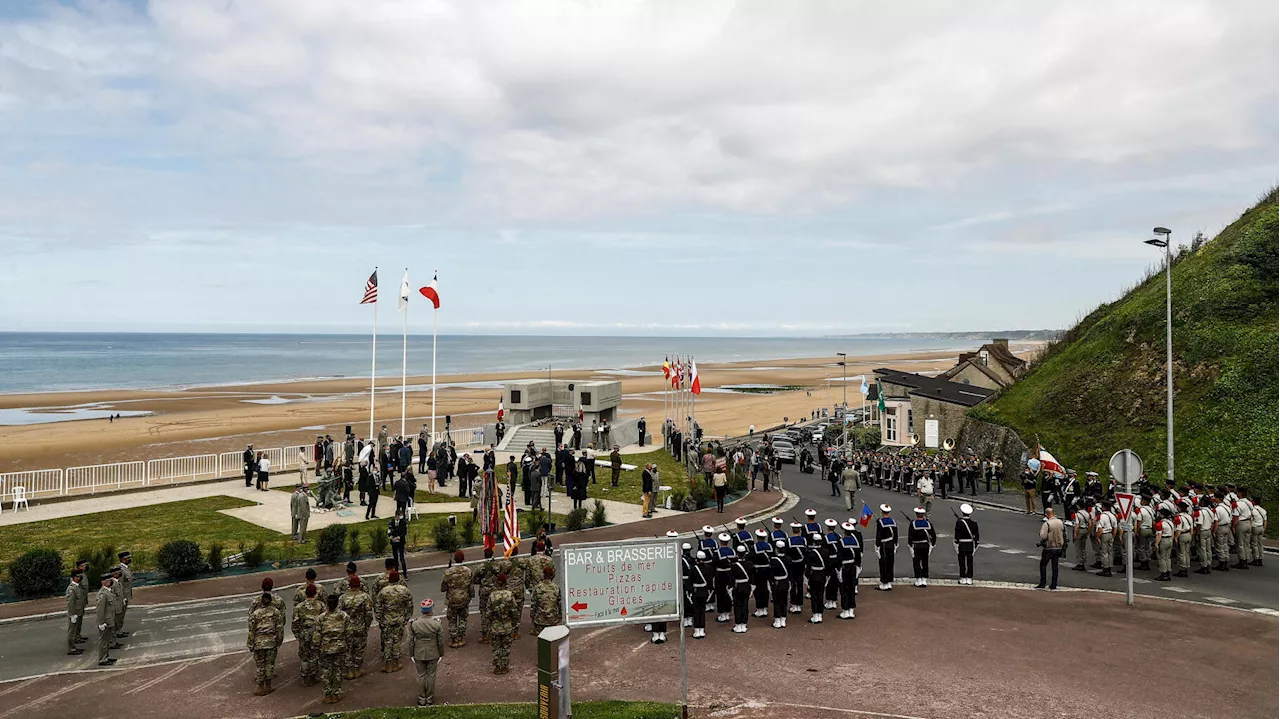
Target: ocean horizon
(77, 361)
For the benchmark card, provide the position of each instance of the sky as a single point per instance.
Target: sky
(621, 167)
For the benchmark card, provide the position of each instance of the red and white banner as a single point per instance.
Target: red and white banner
(695, 385)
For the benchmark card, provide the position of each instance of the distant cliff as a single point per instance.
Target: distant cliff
(1014, 335)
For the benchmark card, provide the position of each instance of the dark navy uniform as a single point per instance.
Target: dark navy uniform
(760, 552)
(886, 545)
(795, 568)
(741, 590)
(743, 538)
(831, 542)
(850, 557)
(966, 541)
(686, 572)
(779, 583)
(699, 589)
(921, 537)
(816, 558)
(724, 582)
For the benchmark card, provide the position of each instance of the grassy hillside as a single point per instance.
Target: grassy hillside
(1102, 386)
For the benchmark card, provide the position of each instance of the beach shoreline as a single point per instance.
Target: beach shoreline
(204, 419)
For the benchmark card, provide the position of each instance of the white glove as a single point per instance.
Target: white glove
(75, 618)
(957, 546)
(102, 627)
(126, 602)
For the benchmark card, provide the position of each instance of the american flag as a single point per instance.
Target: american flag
(371, 289)
(510, 527)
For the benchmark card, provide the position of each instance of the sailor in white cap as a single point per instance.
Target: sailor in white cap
(779, 583)
(741, 590)
(795, 568)
(700, 584)
(965, 539)
(811, 526)
(708, 541)
(862, 546)
(686, 571)
(777, 532)
(831, 546)
(849, 557)
(723, 561)
(886, 545)
(816, 566)
(742, 537)
(759, 551)
(921, 537)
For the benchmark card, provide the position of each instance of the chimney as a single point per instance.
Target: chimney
(1001, 342)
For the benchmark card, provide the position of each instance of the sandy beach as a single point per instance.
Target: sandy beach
(208, 420)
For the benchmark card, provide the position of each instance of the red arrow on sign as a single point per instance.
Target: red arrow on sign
(578, 606)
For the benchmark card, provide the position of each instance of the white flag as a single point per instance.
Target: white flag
(864, 389)
(404, 292)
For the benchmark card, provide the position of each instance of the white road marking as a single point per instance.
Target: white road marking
(1268, 612)
(234, 668)
(179, 640)
(1011, 551)
(157, 680)
(234, 610)
(47, 697)
(1220, 600)
(1179, 590)
(16, 686)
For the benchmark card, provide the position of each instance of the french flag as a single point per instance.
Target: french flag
(867, 514)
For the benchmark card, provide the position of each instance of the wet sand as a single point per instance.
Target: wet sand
(203, 420)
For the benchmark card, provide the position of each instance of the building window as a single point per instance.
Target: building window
(515, 396)
(911, 425)
(586, 398)
(890, 427)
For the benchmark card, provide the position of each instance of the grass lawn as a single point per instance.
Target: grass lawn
(143, 530)
(581, 710)
(670, 472)
(419, 497)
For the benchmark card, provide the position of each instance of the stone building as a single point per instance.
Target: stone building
(992, 366)
(527, 400)
(931, 408)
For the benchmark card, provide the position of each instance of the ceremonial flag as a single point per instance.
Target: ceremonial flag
(675, 373)
(695, 385)
(404, 292)
(371, 289)
(666, 368)
(880, 395)
(500, 410)
(1049, 464)
(865, 519)
(510, 527)
(430, 291)
(864, 388)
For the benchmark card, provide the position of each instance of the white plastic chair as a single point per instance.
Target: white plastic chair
(411, 511)
(20, 498)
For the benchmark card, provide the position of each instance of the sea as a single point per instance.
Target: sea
(54, 362)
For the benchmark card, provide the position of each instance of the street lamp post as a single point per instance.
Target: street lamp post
(1168, 337)
(844, 401)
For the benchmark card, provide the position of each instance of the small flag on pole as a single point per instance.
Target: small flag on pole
(500, 410)
(865, 519)
(510, 527)
(666, 368)
(695, 385)
(371, 289)
(430, 291)
(404, 292)
(864, 388)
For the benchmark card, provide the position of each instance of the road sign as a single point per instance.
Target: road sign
(1124, 505)
(618, 582)
(1126, 466)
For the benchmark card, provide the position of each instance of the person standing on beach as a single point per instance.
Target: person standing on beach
(250, 465)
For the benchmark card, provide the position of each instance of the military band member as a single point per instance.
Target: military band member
(886, 545)
(779, 584)
(965, 539)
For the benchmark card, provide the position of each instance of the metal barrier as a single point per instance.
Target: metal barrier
(37, 482)
(177, 469)
(121, 475)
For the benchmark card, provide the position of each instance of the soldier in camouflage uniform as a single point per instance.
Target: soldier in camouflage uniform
(486, 577)
(344, 585)
(457, 590)
(518, 579)
(539, 561)
(333, 631)
(503, 618)
(378, 584)
(394, 606)
(306, 626)
(359, 609)
(266, 625)
(301, 592)
(544, 602)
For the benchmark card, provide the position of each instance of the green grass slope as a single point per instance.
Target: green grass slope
(1102, 386)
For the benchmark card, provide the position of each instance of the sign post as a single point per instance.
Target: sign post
(553, 673)
(1126, 466)
(633, 581)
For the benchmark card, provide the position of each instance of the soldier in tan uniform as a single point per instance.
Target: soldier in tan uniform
(306, 625)
(457, 590)
(106, 615)
(394, 605)
(359, 609)
(266, 624)
(77, 598)
(426, 647)
(333, 630)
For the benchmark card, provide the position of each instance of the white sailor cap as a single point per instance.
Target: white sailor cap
(796, 525)
(777, 521)
(761, 533)
(706, 529)
(686, 546)
(740, 521)
(886, 508)
(723, 537)
(672, 533)
(810, 513)
(780, 544)
(701, 554)
(966, 509)
(847, 526)
(830, 522)
(816, 537)
(919, 510)
(742, 549)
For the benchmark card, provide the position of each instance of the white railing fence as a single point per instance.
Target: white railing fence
(182, 469)
(37, 482)
(92, 478)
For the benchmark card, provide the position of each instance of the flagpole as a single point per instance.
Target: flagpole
(404, 361)
(693, 402)
(373, 368)
(435, 321)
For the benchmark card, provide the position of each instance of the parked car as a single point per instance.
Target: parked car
(784, 450)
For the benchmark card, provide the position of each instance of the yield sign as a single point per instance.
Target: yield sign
(1124, 505)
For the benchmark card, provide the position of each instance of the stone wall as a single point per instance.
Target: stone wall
(991, 440)
(950, 417)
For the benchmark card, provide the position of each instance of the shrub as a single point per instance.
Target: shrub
(737, 483)
(599, 517)
(415, 536)
(700, 493)
(575, 519)
(469, 531)
(100, 560)
(534, 519)
(332, 539)
(678, 497)
(36, 573)
(215, 557)
(255, 555)
(378, 540)
(445, 536)
(353, 544)
(180, 559)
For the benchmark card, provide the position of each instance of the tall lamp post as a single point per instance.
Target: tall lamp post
(1168, 335)
(844, 401)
